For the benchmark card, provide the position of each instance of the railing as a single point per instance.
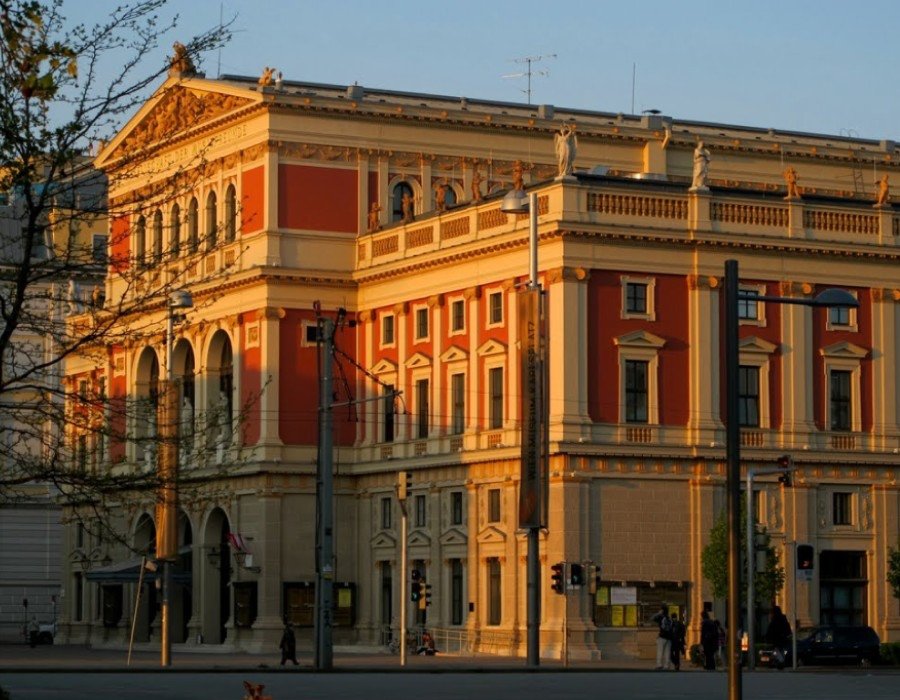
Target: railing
(454, 641)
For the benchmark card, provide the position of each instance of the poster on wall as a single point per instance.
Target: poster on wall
(623, 595)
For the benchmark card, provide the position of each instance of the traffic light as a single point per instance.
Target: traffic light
(786, 464)
(806, 557)
(416, 587)
(558, 578)
(576, 575)
(404, 484)
(427, 598)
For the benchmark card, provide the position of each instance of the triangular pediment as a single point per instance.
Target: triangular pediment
(453, 536)
(752, 344)
(384, 367)
(454, 354)
(419, 538)
(418, 360)
(177, 107)
(491, 534)
(844, 349)
(640, 339)
(383, 540)
(491, 347)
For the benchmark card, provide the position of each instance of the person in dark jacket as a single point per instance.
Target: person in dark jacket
(709, 640)
(779, 634)
(288, 644)
(679, 631)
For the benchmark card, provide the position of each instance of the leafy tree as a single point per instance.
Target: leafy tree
(768, 581)
(893, 576)
(55, 108)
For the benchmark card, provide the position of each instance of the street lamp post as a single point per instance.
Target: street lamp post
(167, 520)
(830, 298)
(532, 495)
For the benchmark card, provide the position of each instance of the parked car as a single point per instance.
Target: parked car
(830, 644)
(46, 632)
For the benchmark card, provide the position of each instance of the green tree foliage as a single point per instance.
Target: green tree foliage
(714, 561)
(893, 576)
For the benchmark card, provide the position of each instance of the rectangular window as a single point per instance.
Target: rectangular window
(634, 603)
(385, 513)
(636, 391)
(388, 412)
(387, 330)
(458, 315)
(421, 323)
(98, 249)
(456, 592)
(495, 612)
(495, 409)
(494, 506)
(841, 508)
(748, 309)
(748, 397)
(839, 393)
(79, 597)
(457, 403)
(495, 307)
(635, 298)
(456, 508)
(758, 499)
(839, 316)
(387, 594)
(420, 511)
(422, 408)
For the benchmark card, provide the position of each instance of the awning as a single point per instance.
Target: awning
(129, 571)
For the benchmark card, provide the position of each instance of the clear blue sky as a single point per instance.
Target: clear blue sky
(821, 66)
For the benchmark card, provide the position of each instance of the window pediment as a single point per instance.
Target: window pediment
(754, 344)
(418, 538)
(384, 367)
(844, 350)
(454, 354)
(490, 535)
(384, 541)
(640, 339)
(453, 536)
(491, 347)
(418, 360)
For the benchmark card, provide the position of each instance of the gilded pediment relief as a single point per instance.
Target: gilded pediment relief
(383, 540)
(418, 538)
(491, 347)
(384, 367)
(454, 354)
(453, 536)
(753, 344)
(418, 360)
(845, 350)
(640, 339)
(178, 109)
(491, 535)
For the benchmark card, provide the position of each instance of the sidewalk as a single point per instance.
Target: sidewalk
(57, 658)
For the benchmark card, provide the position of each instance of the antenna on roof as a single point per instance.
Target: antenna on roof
(219, 52)
(528, 72)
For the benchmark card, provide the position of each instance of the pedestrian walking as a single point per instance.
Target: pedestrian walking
(288, 644)
(779, 635)
(33, 629)
(663, 639)
(709, 640)
(679, 631)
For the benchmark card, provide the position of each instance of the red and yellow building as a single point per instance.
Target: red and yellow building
(272, 214)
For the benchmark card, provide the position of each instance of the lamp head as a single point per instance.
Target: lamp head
(515, 202)
(180, 299)
(836, 298)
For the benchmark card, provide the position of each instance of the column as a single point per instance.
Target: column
(438, 424)
(473, 565)
(266, 549)
(400, 321)
(472, 296)
(384, 197)
(797, 369)
(886, 617)
(705, 340)
(884, 368)
(566, 312)
(273, 238)
(270, 326)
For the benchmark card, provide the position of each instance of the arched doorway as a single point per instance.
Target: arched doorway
(144, 542)
(220, 392)
(216, 593)
(146, 407)
(183, 366)
(184, 579)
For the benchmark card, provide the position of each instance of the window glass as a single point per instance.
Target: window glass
(840, 399)
(495, 410)
(495, 307)
(458, 403)
(494, 505)
(748, 308)
(420, 510)
(839, 316)
(387, 330)
(385, 513)
(456, 508)
(457, 315)
(635, 298)
(422, 408)
(841, 504)
(388, 413)
(636, 391)
(422, 323)
(400, 189)
(494, 592)
(748, 396)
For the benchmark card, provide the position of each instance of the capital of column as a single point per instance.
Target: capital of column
(567, 274)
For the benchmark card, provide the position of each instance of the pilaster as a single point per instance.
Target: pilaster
(270, 326)
(267, 555)
(885, 367)
(362, 193)
(705, 338)
(797, 369)
(270, 229)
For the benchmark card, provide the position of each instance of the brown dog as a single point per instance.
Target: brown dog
(254, 691)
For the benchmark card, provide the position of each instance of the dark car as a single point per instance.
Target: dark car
(830, 644)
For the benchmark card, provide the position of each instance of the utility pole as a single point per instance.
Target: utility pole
(324, 656)
(402, 492)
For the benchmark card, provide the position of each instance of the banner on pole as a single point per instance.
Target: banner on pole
(533, 474)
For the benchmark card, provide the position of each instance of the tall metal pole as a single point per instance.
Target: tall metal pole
(533, 562)
(794, 614)
(733, 466)
(325, 501)
(166, 544)
(404, 525)
(751, 570)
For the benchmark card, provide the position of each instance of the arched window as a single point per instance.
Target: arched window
(193, 223)
(230, 213)
(226, 381)
(400, 189)
(157, 236)
(140, 242)
(174, 231)
(212, 225)
(450, 197)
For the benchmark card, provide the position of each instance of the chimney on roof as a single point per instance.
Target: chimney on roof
(546, 111)
(355, 92)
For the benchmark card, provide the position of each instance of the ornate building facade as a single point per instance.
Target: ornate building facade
(387, 204)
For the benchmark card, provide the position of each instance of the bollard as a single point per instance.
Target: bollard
(254, 691)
